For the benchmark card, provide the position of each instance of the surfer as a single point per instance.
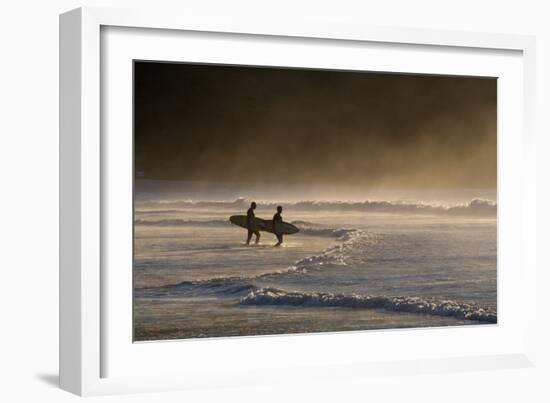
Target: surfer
(251, 224)
(277, 219)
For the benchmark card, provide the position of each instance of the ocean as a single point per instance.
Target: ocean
(355, 264)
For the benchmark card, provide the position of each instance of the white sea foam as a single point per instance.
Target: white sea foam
(272, 296)
(335, 255)
(330, 232)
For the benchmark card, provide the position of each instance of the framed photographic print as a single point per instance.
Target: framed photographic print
(235, 191)
(273, 201)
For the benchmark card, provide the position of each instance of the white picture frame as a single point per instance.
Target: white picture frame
(96, 356)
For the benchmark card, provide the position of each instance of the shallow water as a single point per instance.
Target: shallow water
(195, 277)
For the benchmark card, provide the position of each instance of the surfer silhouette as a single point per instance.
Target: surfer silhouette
(251, 224)
(277, 219)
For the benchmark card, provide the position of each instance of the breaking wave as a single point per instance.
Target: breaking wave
(250, 294)
(476, 207)
(337, 255)
(218, 285)
(223, 286)
(272, 296)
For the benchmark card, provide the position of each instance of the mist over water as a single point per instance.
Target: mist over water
(308, 127)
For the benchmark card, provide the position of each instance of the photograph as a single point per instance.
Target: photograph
(274, 200)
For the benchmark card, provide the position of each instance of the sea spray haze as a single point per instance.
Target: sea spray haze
(390, 178)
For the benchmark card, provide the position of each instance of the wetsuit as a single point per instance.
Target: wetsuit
(277, 219)
(251, 225)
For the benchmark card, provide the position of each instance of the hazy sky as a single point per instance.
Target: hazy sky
(313, 127)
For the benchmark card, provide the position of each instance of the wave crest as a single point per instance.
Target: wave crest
(476, 207)
(223, 286)
(272, 296)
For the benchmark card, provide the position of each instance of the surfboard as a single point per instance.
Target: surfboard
(284, 228)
